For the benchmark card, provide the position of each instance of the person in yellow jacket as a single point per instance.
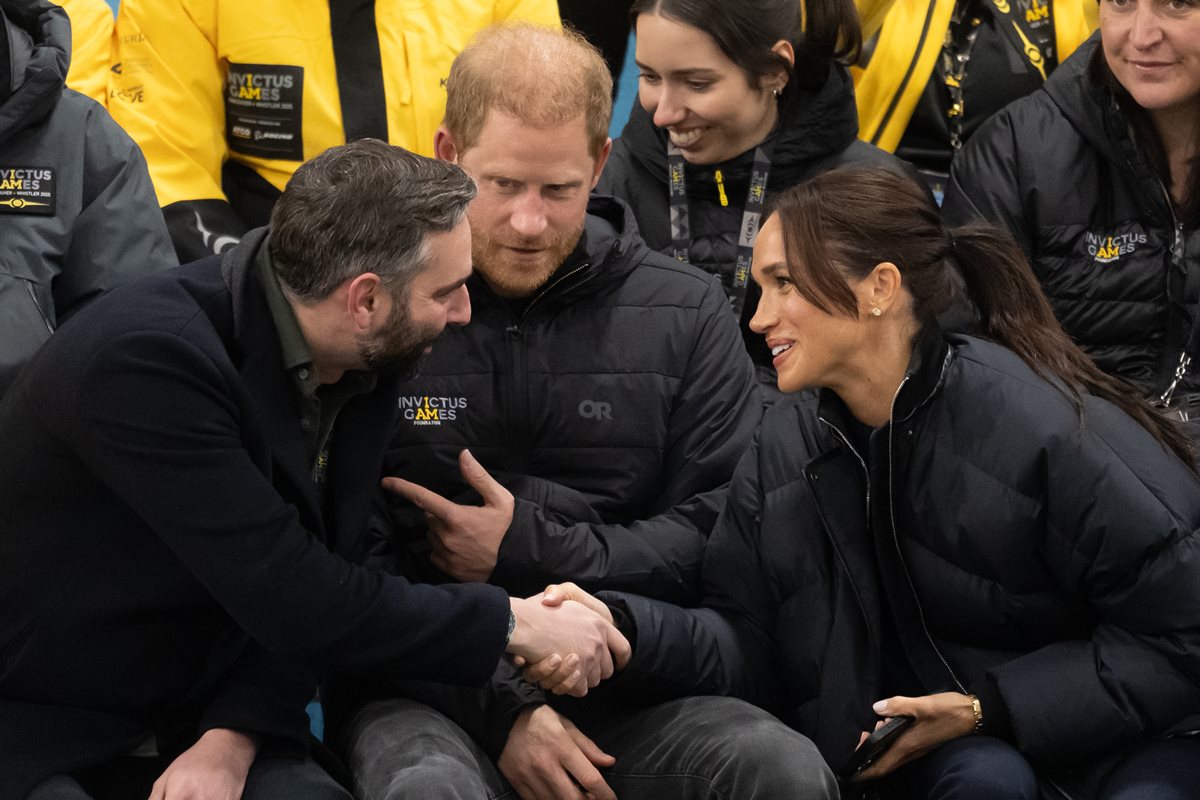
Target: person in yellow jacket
(91, 47)
(933, 70)
(227, 98)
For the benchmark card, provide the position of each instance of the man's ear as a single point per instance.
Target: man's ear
(364, 299)
(601, 160)
(444, 146)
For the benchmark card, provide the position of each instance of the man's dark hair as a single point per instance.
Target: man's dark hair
(362, 207)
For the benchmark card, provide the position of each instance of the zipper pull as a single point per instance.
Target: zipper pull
(721, 187)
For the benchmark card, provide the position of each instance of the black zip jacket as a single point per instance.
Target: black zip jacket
(817, 131)
(615, 406)
(1060, 170)
(1043, 559)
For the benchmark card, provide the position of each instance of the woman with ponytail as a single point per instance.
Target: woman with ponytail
(982, 532)
(738, 99)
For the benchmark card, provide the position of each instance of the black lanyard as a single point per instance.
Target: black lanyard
(681, 235)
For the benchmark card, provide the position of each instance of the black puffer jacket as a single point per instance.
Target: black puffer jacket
(1054, 565)
(615, 406)
(817, 131)
(1059, 168)
(78, 215)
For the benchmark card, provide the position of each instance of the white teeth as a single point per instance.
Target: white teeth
(684, 138)
(780, 348)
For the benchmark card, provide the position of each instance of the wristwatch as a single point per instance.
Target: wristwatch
(512, 626)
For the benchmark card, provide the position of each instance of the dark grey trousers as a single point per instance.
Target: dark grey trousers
(268, 779)
(696, 748)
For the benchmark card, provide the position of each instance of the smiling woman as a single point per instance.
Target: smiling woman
(1096, 176)
(735, 103)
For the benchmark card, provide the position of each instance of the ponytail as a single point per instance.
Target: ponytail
(1014, 312)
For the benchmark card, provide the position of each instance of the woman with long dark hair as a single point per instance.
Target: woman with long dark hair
(738, 99)
(1096, 176)
(984, 532)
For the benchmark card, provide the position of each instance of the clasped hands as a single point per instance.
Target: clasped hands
(566, 636)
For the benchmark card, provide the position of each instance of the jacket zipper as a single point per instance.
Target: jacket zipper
(896, 540)
(518, 427)
(38, 306)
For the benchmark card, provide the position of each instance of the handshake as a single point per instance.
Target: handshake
(566, 640)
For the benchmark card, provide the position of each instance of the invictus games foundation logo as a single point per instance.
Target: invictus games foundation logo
(426, 410)
(1106, 249)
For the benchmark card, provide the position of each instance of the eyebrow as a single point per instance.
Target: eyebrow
(449, 288)
(691, 72)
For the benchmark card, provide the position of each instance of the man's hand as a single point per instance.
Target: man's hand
(938, 718)
(569, 635)
(465, 539)
(547, 758)
(555, 674)
(214, 768)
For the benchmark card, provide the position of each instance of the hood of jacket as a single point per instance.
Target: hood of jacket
(813, 125)
(1095, 113)
(38, 35)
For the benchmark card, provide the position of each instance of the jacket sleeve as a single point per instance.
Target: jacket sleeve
(486, 714)
(91, 47)
(119, 233)
(265, 695)
(724, 647)
(1121, 533)
(712, 422)
(986, 180)
(157, 419)
(167, 91)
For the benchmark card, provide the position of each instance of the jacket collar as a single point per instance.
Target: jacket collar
(927, 369)
(609, 248)
(814, 124)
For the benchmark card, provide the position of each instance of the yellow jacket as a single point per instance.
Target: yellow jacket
(911, 33)
(206, 84)
(91, 47)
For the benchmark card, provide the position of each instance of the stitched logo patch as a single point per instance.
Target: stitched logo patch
(264, 110)
(426, 410)
(27, 190)
(1107, 248)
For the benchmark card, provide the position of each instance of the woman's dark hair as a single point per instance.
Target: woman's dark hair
(839, 225)
(820, 31)
(1147, 138)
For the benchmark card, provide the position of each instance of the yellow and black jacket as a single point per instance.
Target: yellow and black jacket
(91, 47)
(911, 34)
(226, 99)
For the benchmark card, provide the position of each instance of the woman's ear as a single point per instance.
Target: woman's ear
(784, 50)
(881, 288)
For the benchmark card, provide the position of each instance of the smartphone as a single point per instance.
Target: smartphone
(875, 746)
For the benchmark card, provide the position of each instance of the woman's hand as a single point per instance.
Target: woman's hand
(937, 718)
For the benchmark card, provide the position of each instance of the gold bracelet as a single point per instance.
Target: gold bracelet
(978, 711)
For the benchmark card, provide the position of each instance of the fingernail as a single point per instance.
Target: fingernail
(880, 707)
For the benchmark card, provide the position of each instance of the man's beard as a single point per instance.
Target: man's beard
(398, 349)
(514, 278)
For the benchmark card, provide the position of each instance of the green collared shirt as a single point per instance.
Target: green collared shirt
(318, 404)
